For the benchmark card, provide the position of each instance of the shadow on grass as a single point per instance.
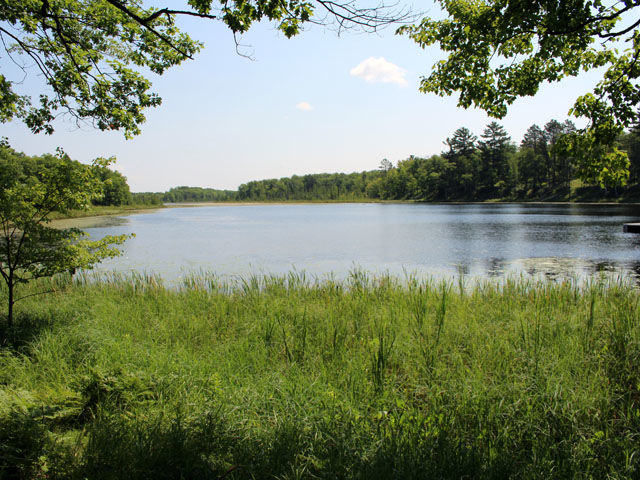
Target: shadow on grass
(27, 327)
(208, 448)
(117, 446)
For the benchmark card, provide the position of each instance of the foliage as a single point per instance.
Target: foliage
(197, 194)
(323, 186)
(93, 55)
(541, 167)
(115, 189)
(631, 144)
(183, 194)
(147, 198)
(495, 150)
(499, 50)
(281, 377)
(31, 189)
(470, 170)
(596, 163)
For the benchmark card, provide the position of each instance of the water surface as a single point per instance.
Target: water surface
(321, 239)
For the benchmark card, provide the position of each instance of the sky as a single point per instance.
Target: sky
(315, 103)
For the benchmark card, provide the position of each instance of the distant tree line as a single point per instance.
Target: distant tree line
(115, 189)
(183, 194)
(322, 186)
(198, 194)
(469, 169)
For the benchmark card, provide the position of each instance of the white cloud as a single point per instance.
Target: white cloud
(379, 70)
(304, 106)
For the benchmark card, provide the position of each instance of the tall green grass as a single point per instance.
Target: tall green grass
(284, 377)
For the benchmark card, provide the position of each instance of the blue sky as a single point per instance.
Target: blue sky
(314, 103)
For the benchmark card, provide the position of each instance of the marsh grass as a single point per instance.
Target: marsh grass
(284, 377)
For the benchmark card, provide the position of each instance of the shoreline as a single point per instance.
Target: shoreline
(97, 216)
(393, 202)
(102, 216)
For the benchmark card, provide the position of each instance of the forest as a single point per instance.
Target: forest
(470, 168)
(182, 194)
(491, 167)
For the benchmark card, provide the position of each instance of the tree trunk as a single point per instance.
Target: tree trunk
(11, 301)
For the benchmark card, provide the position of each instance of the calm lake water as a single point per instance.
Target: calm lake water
(484, 240)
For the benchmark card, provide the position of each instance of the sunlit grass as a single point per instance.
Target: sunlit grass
(287, 377)
(98, 210)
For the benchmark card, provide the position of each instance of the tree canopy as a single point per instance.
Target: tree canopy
(499, 50)
(471, 168)
(31, 189)
(91, 53)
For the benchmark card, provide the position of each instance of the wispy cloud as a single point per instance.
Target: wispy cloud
(380, 70)
(304, 106)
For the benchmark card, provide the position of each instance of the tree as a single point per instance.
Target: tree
(596, 163)
(630, 143)
(385, 165)
(115, 189)
(495, 152)
(560, 160)
(464, 162)
(463, 142)
(90, 53)
(31, 189)
(499, 50)
(533, 158)
(433, 176)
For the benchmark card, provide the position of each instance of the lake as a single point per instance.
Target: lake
(440, 240)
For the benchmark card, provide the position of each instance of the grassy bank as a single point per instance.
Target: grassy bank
(276, 378)
(96, 210)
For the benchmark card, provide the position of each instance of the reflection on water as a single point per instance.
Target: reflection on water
(570, 268)
(494, 240)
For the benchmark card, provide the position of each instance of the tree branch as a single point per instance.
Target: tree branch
(168, 12)
(621, 32)
(146, 25)
(369, 18)
(33, 295)
(65, 42)
(39, 63)
(587, 22)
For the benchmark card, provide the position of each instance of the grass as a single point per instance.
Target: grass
(97, 210)
(278, 377)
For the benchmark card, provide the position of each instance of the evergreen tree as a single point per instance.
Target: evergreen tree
(463, 164)
(495, 151)
(533, 159)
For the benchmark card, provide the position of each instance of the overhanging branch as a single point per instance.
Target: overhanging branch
(145, 23)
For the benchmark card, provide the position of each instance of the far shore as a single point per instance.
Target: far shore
(329, 202)
(106, 216)
(100, 216)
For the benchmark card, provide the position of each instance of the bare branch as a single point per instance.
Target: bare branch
(13, 60)
(347, 14)
(29, 51)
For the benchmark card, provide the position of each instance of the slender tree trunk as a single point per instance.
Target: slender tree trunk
(11, 301)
